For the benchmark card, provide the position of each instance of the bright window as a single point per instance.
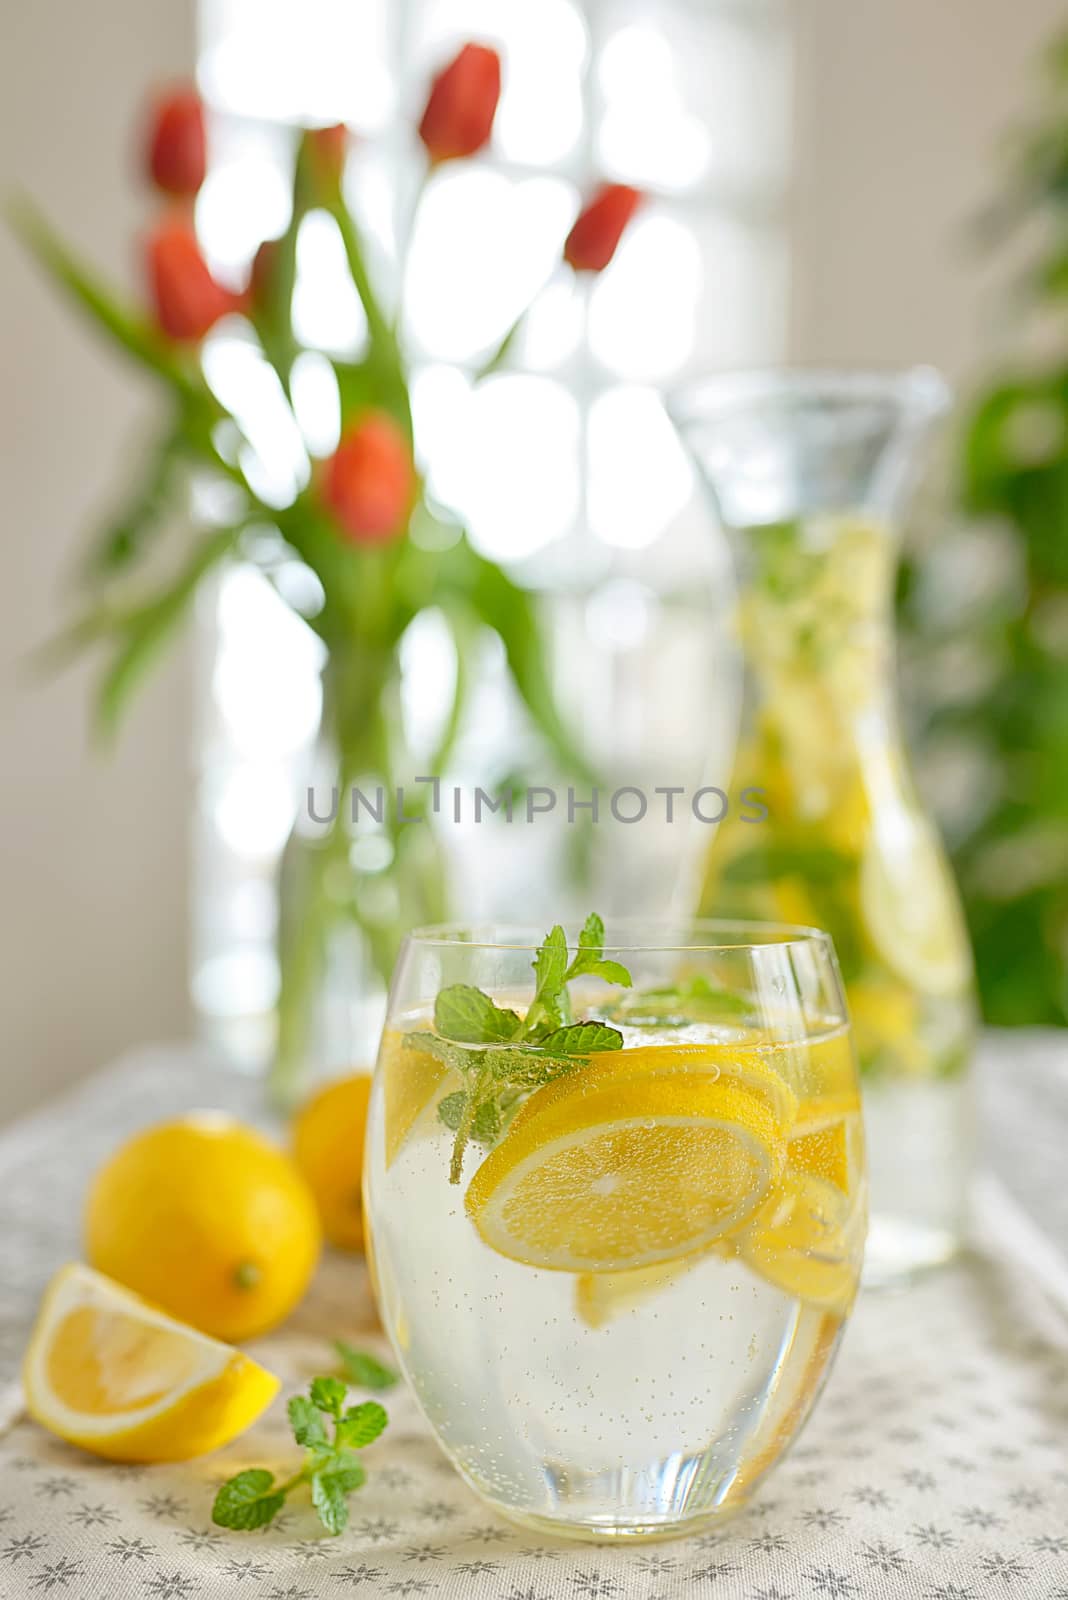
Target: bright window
(565, 467)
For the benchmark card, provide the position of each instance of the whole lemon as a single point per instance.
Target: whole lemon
(209, 1220)
(328, 1148)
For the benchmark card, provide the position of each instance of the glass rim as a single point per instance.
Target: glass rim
(778, 936)
(920, 390)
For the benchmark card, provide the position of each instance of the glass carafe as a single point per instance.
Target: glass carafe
(808, 473)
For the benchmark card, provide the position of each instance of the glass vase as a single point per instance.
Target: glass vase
(809, 474)
(359, 869)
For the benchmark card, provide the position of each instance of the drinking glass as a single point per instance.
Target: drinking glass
(617, 1306)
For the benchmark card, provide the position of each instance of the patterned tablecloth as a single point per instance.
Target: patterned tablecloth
(936, 1465)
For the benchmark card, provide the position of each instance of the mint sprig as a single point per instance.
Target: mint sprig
(330, 1433)
(502, 1056)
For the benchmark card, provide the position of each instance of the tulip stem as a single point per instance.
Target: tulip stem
(382, 336)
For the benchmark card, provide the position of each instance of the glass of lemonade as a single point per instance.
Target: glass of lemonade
(617, 1202)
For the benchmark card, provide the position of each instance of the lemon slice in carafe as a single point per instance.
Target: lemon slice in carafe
(910, 909)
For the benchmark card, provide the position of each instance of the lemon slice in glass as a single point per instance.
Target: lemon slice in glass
(411, 1079)
(602, 1297)
(823, 1139)
(739, 1064)
(602, 1172)
(808, 1241)
(111, 1373)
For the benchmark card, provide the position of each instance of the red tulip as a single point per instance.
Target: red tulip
(175, 154)
(593, 240)
(327, 149)
(186, 299)
(369, 481)
(458, 119)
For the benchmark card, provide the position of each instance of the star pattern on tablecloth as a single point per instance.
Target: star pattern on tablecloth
(57, 1575)
(356, 1577)
(201, 1538)
(883, 1557)
(26, 1547)
(243, 1569)
(94, 1516)
(126, 1550)
(926, 1533)
(171, 1586)
(1053, 1544)
(56, 1487)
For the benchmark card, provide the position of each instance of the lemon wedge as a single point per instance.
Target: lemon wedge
(808, 1241)
(109, 1372)
(605, 1172)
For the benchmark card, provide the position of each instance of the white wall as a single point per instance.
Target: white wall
(901, 109)
(92, 850)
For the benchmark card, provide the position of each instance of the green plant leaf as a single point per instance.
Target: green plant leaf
(364, 1369)
(248, 1500)
(550, 970)
(451, 1109)
(581, 1039)
(129, 533)
(328, 1494)
(361, 1425)
(589, 959)
(486, 1123)
(467, 1016)
(385, 351)
(329, 1395)
(511, 612)
(816, 863)
(306, 1420)
(132, 333)
(145, 631)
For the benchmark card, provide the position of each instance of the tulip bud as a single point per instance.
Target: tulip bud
(175, 153)
(593, 240)
(369, 481)
(458, 119)
(326, 149)
(186, 299)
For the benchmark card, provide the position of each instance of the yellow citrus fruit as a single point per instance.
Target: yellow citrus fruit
(885, 1013)
(605, 1172)
(410, 1080)
(601, 1297)
(807, 1239)
(209, 1220)
(822, 1139)
(328, 1135)
(911, 912)
(710, 1061)
(115, 1375)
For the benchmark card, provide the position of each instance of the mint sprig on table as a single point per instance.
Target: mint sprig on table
(331, 1433)
(501, 1055)
(363, 1369)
